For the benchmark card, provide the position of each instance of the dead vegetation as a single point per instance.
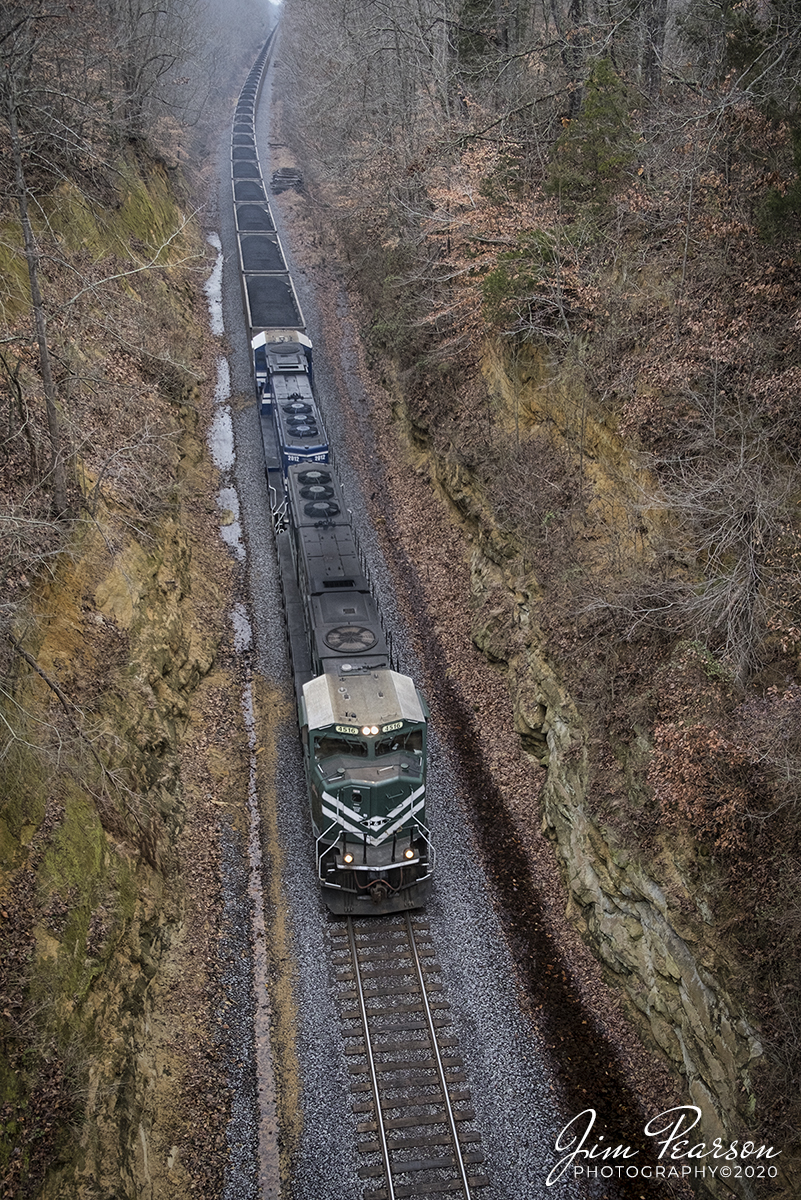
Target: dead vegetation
(625, 222)
(111, 610)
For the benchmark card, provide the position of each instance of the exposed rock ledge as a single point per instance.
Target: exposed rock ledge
(643, 920)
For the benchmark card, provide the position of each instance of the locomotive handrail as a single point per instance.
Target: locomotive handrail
(321, 856)
(432, 854)
(279, 517)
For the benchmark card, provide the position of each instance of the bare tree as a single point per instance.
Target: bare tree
(150, 45)
(726, 512)
(75, 81)
(655, 28)
(19, 46)
(733, 491)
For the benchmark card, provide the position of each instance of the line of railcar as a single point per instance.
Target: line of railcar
(363, 724)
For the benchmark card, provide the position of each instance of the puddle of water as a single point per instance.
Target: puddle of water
(243, 634)
(269, 1163)
(213, 288)
(221, 440)
(231, 528)
(221, 445)
(222, 391)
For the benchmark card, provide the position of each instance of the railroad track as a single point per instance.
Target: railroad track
(407, 1078)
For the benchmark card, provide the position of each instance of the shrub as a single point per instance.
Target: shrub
(598, 145)
(780, 212)
(526, 290)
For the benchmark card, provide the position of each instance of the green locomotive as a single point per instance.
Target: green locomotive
(364, 725)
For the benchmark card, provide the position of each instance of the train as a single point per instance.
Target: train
(363, 724)
(282, 371)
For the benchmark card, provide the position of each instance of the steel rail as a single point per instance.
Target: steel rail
(440, 1068)
(382, 1133)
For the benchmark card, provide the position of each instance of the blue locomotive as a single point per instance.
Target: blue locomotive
(283, 381)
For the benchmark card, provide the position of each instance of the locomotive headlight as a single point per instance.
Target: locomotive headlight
(348, 858)
(370, 730)
(408, 853)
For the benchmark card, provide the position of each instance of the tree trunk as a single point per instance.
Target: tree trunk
(57, 469)
(655, 24)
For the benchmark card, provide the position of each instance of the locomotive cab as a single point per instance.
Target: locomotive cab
(365, 748)
(281, 364)
(262, 375)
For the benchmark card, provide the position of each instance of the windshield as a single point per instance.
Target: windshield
(332, 745)
(409, 743)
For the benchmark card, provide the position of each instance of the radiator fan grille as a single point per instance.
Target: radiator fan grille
(350, 639)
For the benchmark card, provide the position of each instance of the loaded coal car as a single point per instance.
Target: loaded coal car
(363, 725)
(284, 385)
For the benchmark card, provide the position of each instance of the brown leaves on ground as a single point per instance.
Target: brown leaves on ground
(703, 782)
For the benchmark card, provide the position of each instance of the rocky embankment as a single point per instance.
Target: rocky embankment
(646, 921)
(123, 748)
(105, 862)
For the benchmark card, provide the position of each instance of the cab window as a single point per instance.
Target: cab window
(333, 745)
(407, 743)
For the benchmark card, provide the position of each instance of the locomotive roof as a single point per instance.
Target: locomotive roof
(376, 699)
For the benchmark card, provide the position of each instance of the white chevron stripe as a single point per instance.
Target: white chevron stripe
(335, 810)
(346, 825)
(394, 828)
(405, 802)
(341, 811)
